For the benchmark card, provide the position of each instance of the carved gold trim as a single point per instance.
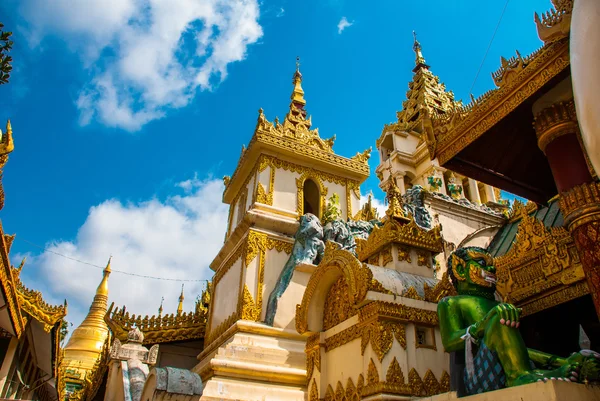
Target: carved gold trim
(404, 254)
(9, 286)
(250, 311)
(406, 234)
(358, 277)
(313, 355)
(443, 288)
(559, 297)
(33, 303)
(423, 259)
(555, 121)
(453, 132)
(343, 337)
(580, 205)
(309, 175)
(386, 255)
(540, 262)
(380, 334)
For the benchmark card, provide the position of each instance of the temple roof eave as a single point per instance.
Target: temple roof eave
(265, 143)
(393, 232)
(33, 303)
(158, 329)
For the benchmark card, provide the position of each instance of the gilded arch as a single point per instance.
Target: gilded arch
(336, 263)
(300, 191)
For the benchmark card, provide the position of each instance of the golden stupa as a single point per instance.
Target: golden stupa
(85, 344)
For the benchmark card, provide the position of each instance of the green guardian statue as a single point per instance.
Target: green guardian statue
(495, 354)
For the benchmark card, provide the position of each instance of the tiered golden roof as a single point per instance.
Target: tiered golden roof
(395, 232)
(517, 79)
(425, 94)
(33, 303)
(162, 329)
(367, 212)
(294, 137)
(542, 268)
(86, 342)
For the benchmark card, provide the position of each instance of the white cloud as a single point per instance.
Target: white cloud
(146, 56)
(343, 24)
(175, 238)
(376, 203)
(280, 13)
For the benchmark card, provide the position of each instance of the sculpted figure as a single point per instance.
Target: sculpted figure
(487, 330)
(308, 248)
(415, 206)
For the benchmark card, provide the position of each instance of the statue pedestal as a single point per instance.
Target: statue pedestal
(252, 362)
(550, 391)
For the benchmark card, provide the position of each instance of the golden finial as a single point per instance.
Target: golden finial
(103, 287)
(6, 140)
(420, 60)
(298, 93)
(394, 198)
(160, 308)
(180, 306)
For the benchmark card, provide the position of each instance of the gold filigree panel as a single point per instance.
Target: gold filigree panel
(393, 232)
(337, 306)
(455, 130)
(541, 261)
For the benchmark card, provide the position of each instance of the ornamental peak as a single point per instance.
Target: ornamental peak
(103, 287)
(419, 60)
(297, 97)
(181, 298)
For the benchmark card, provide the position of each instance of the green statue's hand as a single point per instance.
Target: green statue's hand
(508, 314)
(590, 364)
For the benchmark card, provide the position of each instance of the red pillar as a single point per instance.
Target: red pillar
(557, 129)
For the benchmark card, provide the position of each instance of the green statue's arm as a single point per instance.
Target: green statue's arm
(451, 325)
(544, 360)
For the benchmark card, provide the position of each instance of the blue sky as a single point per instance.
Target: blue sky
(126, 114)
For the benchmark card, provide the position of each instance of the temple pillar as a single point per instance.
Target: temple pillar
(556, 129)
(399, 178)
(489, 193)
(474, 192)
(585, 57)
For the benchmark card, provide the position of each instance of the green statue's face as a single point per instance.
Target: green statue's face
(476, 269)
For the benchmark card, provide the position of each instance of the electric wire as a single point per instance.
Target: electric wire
(488, 48)
(102, 267)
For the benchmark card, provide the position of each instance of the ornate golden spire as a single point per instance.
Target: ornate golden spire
(160, 308)
(420, 60)
(394, 198)
(426, 94)
(85, 344)
(103, 287)
(298, 93)
(180, 306)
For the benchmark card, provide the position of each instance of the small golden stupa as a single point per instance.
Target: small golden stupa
(85, 344)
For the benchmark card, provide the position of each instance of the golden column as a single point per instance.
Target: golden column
(85, 345)
(557, 131)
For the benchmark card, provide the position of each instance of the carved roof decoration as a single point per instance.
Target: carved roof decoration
(8, 285)
(296, 135)
(162, 328)
(395, 232)
(367, 212)
(33, 303)
(516, 210)
(425, 92)
(542, 268)
(518, 78)
(555, 24)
